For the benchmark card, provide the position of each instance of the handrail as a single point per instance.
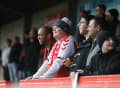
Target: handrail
(103, 81)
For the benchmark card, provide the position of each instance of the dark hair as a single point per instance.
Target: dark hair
(88, 18)
(9, 41)
(102, 6)
(100, 21)
(114, 13)
(49, 30)
(17, 38)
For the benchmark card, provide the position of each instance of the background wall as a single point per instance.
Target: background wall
(17, 28)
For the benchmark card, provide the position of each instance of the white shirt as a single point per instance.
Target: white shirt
(5, 56)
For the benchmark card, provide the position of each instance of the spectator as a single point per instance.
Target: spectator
(117, 34)
(14, 59)
(45, 36)
(26, 37)
(100, 11)
(31, 54)
(5, 58)
(0, 56)
(82, 51)
(80, 38)
(63, 48)
(95, 26)
(107, 61)
(112, 20)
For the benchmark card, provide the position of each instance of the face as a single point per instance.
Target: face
(108, 45)
(99, 11)
(91, 29)
(42, 35)
(7, 44)
(31, 34)
(109, 17)
(83, 26)
(26, 36)
(57, 32)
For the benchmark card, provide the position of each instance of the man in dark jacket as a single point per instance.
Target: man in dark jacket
(31, 54)
(14, 59)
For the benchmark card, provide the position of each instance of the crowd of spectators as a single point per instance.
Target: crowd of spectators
(94, 51)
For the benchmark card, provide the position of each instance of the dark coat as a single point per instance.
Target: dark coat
(81, 54)
(32, 54)
(102, 64)
(15, 53)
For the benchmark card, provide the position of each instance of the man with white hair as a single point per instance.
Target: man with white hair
(64, 48)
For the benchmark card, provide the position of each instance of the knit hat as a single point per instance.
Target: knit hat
(102, 36)
(65, 24)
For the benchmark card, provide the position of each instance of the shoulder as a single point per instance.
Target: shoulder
(70, 37)
(69, 40)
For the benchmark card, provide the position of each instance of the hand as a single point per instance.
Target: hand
(35, 78)
(72, 75)
(29, 78)
(67, 62)
(80, 71)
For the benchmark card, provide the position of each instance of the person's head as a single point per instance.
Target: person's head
(45, 34)
(95, 26)
(33, 33)
(8, 42)
(16, 40)
(112, 14)
(106, 41)
(26, 35)
(100, 10)
(61, 28)
(83, 24)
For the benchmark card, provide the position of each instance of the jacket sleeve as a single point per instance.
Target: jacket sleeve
(41, 70)
(91, 69)
(54, 69)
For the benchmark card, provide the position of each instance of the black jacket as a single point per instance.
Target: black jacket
(81, 54)
(102, 64)
(15, 53)
(32, 53)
